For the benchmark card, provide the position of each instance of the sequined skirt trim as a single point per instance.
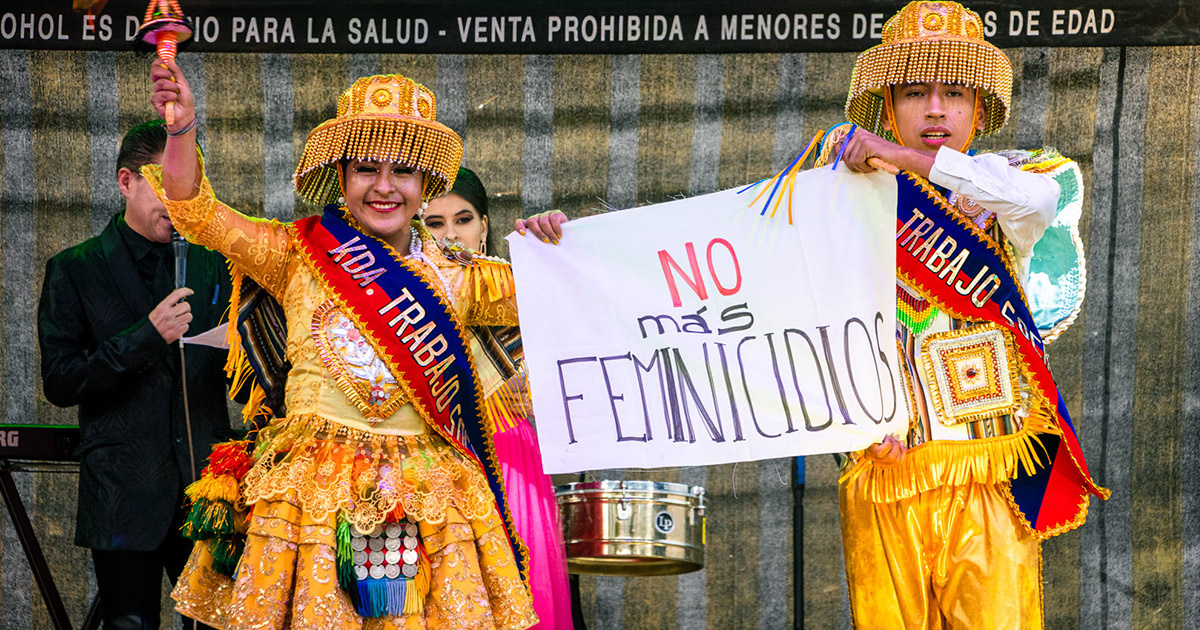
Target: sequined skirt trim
(287, 578)
(332, 467)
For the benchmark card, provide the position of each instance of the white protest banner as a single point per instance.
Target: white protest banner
(698, 332)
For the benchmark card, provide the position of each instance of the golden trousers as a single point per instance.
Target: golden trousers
(954, 557)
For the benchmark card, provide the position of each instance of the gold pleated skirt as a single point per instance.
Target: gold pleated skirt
(287, 578)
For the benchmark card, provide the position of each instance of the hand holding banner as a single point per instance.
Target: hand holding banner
(697, 332)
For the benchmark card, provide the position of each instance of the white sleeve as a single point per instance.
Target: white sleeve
(1024, 202)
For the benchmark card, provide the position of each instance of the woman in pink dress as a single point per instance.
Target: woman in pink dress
(459, 219)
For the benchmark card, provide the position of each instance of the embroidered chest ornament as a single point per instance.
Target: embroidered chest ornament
(347, 353)
(970, 374)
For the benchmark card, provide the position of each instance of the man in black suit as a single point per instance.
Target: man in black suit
(108, 325)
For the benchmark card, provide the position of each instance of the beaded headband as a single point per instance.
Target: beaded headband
(382, 117)
(926, 42)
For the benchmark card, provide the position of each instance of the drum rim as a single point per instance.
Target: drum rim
(609, 485)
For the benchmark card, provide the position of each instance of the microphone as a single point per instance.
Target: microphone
(180, 246)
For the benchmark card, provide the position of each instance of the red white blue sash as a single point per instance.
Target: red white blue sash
(957, 267)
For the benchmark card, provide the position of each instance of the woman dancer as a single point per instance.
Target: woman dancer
(460, 219)
(374, 502)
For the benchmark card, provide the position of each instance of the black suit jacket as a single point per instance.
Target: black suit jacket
(100, 351)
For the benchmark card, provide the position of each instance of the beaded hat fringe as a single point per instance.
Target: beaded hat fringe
(382, 117)
(925, 42)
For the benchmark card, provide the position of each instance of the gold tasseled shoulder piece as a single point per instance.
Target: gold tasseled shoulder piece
(189, 216)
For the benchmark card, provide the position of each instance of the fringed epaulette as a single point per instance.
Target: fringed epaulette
(492, 279)
(257, 337)
(954, 463)
(488, 277)
(218, 514)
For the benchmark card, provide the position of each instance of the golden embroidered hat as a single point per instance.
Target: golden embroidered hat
(930, 41)
(383, 117)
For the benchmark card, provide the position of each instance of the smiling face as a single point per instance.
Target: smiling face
(384, 197)
(456, 220)
(144, 213)
(929, 116)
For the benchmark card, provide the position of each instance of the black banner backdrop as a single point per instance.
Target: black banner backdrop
(585, 26)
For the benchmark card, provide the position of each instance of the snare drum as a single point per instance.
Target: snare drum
(632, 527)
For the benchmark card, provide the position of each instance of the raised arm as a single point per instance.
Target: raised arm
(181, 164)
(260, 248)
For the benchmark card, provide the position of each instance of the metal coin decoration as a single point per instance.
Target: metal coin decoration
(388, 551)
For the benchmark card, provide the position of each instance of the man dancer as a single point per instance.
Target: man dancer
(942, 529)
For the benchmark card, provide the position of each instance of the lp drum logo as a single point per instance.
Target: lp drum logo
(664, 523)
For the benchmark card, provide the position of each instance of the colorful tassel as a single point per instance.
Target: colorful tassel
(207, 519)
(377, 597)
(345, 558)
(214, 515)
(372, 597)
(400, 596)
(223, 488)
(226, 553)
(784, 180)
(230, 458)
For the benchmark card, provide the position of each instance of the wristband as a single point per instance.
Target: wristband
(186, 128)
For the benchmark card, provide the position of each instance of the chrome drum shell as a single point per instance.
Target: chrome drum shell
(632, 527)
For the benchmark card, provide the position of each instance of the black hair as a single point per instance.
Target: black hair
(468, 186)
(142, 145)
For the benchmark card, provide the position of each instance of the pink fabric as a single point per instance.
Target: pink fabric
(535, 514)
